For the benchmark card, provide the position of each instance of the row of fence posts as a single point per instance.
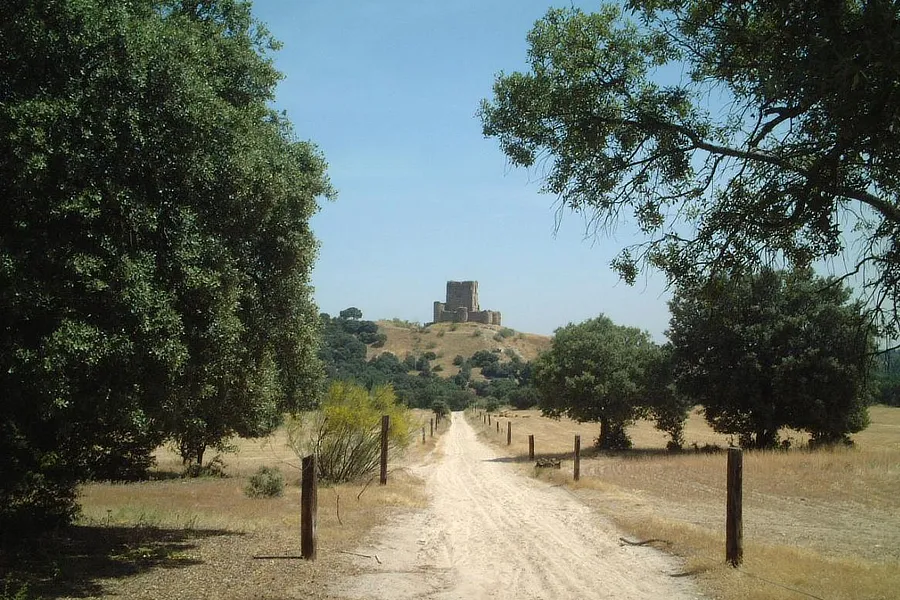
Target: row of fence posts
(734, 528)
(309, 488)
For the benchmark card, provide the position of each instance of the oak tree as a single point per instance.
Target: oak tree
(773, 350)
(734, 134)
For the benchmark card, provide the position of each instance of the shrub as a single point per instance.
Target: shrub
(214, 468)
(506, 332)
(345, 433)
(477, 333)
(458, 360)
(454, 326)
(267, 482)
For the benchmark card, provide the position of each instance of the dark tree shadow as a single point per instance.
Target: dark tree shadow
(70, 562)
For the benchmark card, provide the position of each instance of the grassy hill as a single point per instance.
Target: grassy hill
(448, 340)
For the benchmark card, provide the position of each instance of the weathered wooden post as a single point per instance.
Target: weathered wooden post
(489, 420)
(498, 426)
(531, 446)
(734, 526)
(385, 426)
(577, 457)
(431, 426)
(423, 434)
(508, 433)
(308, 505)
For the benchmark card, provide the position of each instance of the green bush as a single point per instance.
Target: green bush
(267, 482)
(345, 433)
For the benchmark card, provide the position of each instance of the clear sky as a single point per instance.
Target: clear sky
(389, 91)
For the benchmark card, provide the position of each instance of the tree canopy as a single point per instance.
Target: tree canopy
(595, 371)
(778, 143)
(155, 248)
(772, 350)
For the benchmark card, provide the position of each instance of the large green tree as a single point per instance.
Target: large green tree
(155, 250)
(595, 371)
(732, 133)
(773, 350)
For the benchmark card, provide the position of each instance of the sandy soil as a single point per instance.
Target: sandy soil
(491, 533)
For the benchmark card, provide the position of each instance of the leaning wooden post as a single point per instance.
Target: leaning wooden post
(734, 526)
(508, 433)
(308, 505)
(431, 426)
(385, 426)
(531, 446)
(577, 457)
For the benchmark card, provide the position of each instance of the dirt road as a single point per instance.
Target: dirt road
(491, 533)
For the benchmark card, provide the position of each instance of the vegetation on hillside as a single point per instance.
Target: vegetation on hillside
(414, 377)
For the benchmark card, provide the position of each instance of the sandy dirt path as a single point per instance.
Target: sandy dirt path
(492, 533)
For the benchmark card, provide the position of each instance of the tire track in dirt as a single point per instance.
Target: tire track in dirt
(491, 533)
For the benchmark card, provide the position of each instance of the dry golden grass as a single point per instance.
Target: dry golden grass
(239, 527)
(824, 523)
(448, 340)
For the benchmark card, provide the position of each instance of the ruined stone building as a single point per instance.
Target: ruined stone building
(462, 306)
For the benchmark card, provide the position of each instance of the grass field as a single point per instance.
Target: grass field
(205, 538)
(816, 524)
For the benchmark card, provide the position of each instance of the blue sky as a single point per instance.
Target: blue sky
(389, 91)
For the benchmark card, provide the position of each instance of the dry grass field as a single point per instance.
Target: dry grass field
(448, 340)
(205, 538)
(816, 524)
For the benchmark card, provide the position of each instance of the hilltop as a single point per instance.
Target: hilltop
(447, 340)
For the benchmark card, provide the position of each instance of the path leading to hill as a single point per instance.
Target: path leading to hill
(491, 533)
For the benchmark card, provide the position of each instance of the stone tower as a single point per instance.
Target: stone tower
(462, 305)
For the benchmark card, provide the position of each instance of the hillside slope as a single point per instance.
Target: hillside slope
(448, 340)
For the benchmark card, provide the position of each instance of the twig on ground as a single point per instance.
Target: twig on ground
(375, 556)
(645, 542)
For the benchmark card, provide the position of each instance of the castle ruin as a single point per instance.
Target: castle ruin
(462, 306)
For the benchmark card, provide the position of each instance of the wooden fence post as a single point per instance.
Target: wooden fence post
(308, 505)
(734, 526)
(385, 426)
(531, 446)
(498, 426)
(508, 433)
(423, 434)
(431, 425)
(577, 457)
(489, 420)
